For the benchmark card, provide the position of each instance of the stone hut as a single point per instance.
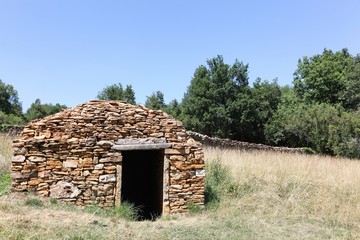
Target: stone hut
(108, 152)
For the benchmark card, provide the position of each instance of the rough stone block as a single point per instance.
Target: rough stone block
(18, 159)
(200, 172)
(99, 166)
(64, 189)
(70, 163)
(107, 178)
(36, 159)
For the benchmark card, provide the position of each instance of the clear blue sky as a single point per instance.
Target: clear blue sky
(66, 51)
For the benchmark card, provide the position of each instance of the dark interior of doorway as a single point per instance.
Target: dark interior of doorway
(142, 181)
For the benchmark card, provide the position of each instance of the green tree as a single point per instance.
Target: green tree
(173, 108)
(215, 99)
(344, 135)
(39, 110)
(351, 94)
(265, 98)
(116, 92)
(323, 77)
(9, 100)
(155, 101)
(323, 127)
(283, 129)
(129, 95)
(10, 119)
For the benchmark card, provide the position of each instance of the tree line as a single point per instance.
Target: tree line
(320, 111)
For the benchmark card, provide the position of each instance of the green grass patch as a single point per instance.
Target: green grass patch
(128, 211)
(219, 183)
(53, 201)
(194, 208)
(5, 183)
(34, 202)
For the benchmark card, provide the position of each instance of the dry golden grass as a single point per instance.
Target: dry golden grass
(309, 193)
(5, 152)
(278, 196)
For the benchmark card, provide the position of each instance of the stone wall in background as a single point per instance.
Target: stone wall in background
(228, 143)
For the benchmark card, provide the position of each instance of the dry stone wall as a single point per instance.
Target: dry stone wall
(71, 156)
(228, 143)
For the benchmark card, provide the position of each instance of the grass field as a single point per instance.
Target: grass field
(255, 195)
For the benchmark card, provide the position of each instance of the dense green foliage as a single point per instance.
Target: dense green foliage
(116, 92)
(11, 109)
(155, 101)
(9, 100)
(219, 102)
(39, 110)
(323, 127)
(215, 98)
(321, 112)
(10, 106)
(329, 77)
(10, 119)
(322, 78)
(351, 94)
(174, 108)
(219, 184)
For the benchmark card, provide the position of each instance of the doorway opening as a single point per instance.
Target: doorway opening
(142, 181)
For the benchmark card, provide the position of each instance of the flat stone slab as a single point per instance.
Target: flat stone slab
(136, 141)
(151, 146)
(150, 143)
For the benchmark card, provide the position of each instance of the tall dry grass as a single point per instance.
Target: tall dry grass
(5, 152)
(317, 193)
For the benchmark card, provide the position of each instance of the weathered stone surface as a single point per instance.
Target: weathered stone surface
(64, 189)
(200, 173)
(107, 178)
(16, 175)
(105, 143)
(18, 159)
(35, 182)
(36, 159)
(99, 166)
(116, 159)
(228, 143)
(76, 155)
(70, 163)
(151, 146)
(181, 151)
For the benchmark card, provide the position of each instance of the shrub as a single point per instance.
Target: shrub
(193, 208)
(324, 128)
(34, 202)
(127, 211)
(5, 182)
(53, 201)
(219, 182)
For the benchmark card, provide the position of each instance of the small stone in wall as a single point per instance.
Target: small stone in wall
(70, 163)
(200, 172)
(107, 178)
(99, 166)
(37, 159)
(19, 158)
(105, 144)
